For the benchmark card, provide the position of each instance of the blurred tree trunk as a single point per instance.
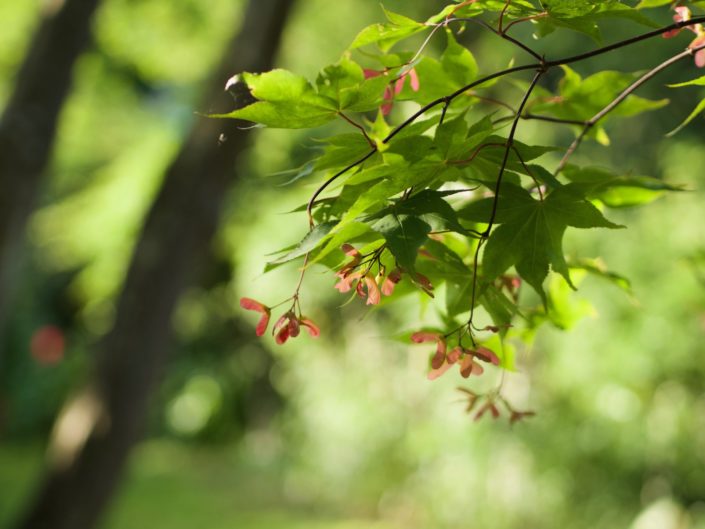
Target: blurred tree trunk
(28, 126)
(173, 245)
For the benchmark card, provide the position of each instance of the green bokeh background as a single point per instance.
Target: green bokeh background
(346, 432)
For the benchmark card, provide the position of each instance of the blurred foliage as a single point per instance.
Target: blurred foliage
(346, 432)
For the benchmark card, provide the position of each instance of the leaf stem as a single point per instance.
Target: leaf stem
(332, 179)
(509, 144)
(485, 234)
(359, 127)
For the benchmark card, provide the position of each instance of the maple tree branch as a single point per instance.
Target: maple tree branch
(501, 15)
(544, 66)
(522, 46)
(618, 100)
(626, 42)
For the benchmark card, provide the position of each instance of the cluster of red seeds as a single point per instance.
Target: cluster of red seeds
(357, 274)
(490, 404)
(287, 326)
(465, 358)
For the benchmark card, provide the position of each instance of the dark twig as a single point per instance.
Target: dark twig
(551, 119)
(328, 182)
(495, 202)
(509, 145)
(626, 42)
(499, 33)
(476, 152)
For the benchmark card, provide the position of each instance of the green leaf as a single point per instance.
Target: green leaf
(302, 172)
(430, 207)
(500, 308)
(568, 8)
(400, 178)
(459, 295)
(344, 84)
(531, 238)
(700, 81)
(400, 20)
(458, 62)
(583, 15)
(513, 205)
(340, 235)
(341, 151)
(437, 78)
(387, 35)
(598, 268)
(308, 243)
(452, 133)
(404, 234)
(580, 99)
(616, 191)
(696, 111)
(516, 9)
(284, 100)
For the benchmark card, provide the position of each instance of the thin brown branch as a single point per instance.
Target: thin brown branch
(493, 101)
(501, 16)
(618, 100)
(552, 119)
(476, 152)
(359, 127)
(499, 33)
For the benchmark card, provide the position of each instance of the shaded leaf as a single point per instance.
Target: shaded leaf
(308, 243)
(404, 235)
(531, 238)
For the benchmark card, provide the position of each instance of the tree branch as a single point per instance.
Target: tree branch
(618, 100)
(543, 65)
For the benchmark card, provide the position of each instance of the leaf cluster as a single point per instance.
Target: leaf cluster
(433, 182)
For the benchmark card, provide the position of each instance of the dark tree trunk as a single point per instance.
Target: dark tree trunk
(173, 245)
(28, 127)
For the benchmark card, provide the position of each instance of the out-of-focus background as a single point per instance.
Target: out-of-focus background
(345, 431)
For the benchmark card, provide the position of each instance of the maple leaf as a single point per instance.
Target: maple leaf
(530, 234)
